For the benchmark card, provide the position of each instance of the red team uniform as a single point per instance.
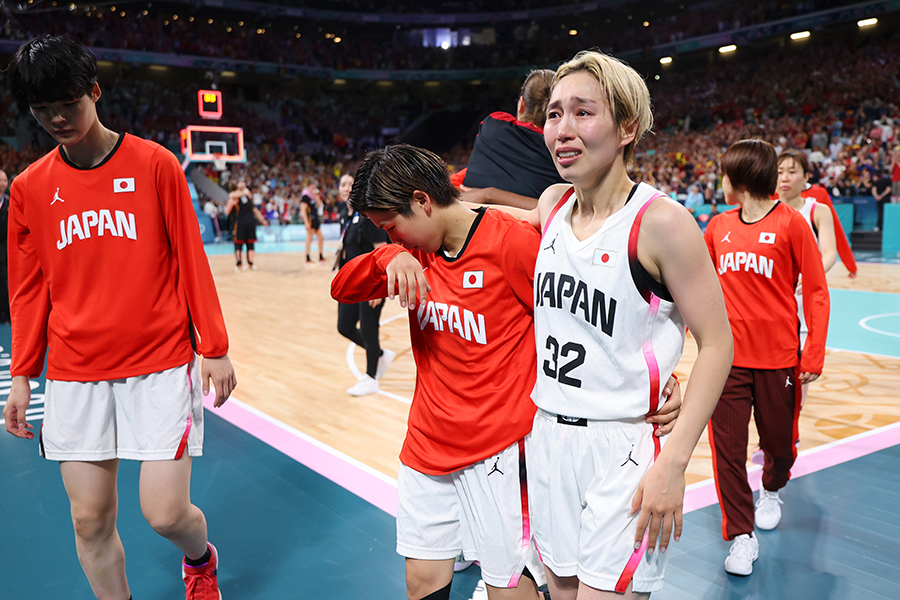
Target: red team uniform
(758, 265)
(106, 270)
(473, 342)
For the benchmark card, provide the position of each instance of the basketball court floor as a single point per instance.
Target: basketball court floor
(298, 479)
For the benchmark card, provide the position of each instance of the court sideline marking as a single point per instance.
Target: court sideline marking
(381, 491)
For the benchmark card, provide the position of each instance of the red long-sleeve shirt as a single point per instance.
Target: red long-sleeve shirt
(107, 271)
(758, 266)
(473, 342)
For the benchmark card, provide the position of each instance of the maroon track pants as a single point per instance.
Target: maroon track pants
(774, 397)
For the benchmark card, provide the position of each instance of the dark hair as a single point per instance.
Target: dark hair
(51, 69)
(753, 166)
(797, 156)
(536, 93)
(387, 178)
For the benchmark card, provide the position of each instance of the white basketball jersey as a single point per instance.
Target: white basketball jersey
(807, 210)
(608, 335)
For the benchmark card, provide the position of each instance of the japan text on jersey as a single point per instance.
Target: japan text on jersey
(450, 318)
(565, 292)
(92, 223)
(746, 261)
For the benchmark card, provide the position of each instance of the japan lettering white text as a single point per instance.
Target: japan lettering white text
(92, 222)
(747, 261)
(447, 317)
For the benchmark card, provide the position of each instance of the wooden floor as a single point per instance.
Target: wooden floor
(291, 364)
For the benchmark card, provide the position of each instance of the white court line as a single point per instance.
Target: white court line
(864, 323)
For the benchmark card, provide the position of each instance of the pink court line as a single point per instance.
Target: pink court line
(703, 493)
(367, 483)
(381, 491)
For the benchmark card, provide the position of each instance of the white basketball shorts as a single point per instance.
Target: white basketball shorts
(149, 417)
(582, 475)
(480, 511)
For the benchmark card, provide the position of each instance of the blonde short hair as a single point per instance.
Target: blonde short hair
(626, 92)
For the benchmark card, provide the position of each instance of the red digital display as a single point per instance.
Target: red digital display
(209, 104)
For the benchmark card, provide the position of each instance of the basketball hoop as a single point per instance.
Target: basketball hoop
(218, 161)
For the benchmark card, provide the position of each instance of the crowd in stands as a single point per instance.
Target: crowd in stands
(261, 37)
(839, 102)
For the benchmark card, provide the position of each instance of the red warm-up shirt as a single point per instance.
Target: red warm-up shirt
(473, 342)
(758, 266)
(107, 272)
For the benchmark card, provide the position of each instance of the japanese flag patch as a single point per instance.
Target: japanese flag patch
(605, 258)
(473, 280)
(125, 184)
(766, 238)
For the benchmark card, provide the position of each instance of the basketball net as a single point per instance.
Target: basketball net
(218, 161)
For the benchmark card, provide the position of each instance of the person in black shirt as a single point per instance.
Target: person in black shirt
(311, 208)
(359, 322)
(510, 163)
(246, 215)
(881, 189)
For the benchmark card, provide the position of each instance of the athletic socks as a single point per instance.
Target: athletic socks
(200, 561)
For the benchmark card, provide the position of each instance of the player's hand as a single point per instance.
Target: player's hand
(799, 289)
(406, 279)
(852, 274)
(666, 415)
(375, 303)
(219, 370)
(16, 405)
(660, 500)
(808, 377)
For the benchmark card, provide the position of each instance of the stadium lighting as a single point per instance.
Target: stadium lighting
(646, 23)
(337, 40)
(573, 32)
(867, 22)
(727, 49)
(800, 35)
(665, 60)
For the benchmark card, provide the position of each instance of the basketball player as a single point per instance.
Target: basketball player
(240, 200)
(466, 277)
(108, 276)
(760, 252)
(620, 271)
(311, 213)
(793, 175)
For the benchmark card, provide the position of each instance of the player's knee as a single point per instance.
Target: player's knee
(167, 523)
(250, 246)
(93, 524)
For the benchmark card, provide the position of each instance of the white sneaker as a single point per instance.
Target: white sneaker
(768, 509)
(366, 386)
(384, 361)
(744, 550)
(480, 592)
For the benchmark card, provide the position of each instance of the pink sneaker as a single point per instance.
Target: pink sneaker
(201, 583)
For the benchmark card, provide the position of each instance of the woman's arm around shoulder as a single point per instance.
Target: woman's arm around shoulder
(546, 203)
